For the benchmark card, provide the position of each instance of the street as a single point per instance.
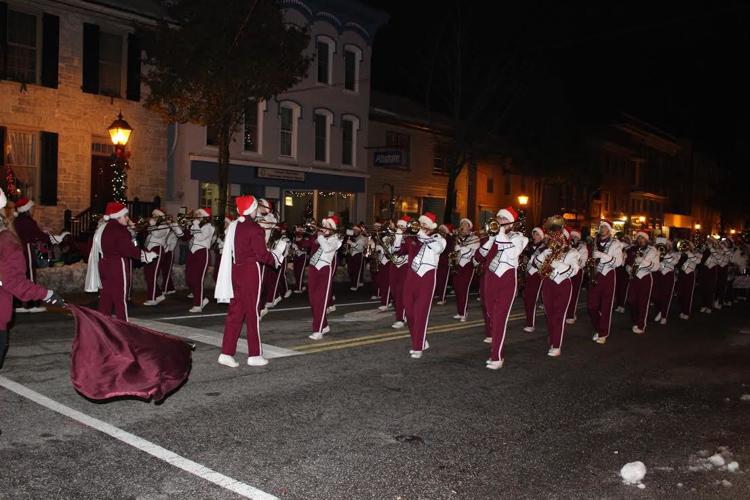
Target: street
(353, 416)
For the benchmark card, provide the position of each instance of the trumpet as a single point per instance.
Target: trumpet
(492, 227)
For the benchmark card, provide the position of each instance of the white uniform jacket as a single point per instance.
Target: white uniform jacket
(326, 251)
(611, 258)
(509, 249)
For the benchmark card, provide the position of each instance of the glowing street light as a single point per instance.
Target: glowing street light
(120, 131)
(642, 219)
(697, 227)
(523, 200)
(732, 231)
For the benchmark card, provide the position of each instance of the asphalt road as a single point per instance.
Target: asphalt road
(353, 416)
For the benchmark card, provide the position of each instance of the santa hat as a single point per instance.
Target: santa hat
(203, 212)
(642, 233)
(574, 232)
(264, 203)
(607, 223)
(448, 228)
(403, 221)
(509, 213)
(471, 224)
(246, 205)
(331, 222)
(157, 213)
(23, 205)
(115, 210)
(3, 199)
(538, 230)
(429, 220)
(228, 218)
(661, 240)
(358, 227)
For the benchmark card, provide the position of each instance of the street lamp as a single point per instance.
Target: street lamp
(119, 132)
(641, 219)
(697, 227)
(523, 200)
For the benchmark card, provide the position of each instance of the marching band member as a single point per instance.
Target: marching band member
(664, 280)
(278, 288)
(239, 283)
(500, 253)
(202, 235)
(29, 234)
(444, 269)
(424, 251)
(156, 242)
(270, 273)
(623, 278)
(299, 259)
(609, 256)
(383, 275)
(708, 272)
(577, 279)
(356, 243)
(557, 264)
(466, 245)
(375, 278)
(397, 276)
(642, 281)
(724, 254)
(320, 274)
(687, 265)
(108, 264)
(481, 267)
(13, 280)
(173, 237)
(533, 279)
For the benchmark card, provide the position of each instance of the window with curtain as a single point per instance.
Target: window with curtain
(24, 159)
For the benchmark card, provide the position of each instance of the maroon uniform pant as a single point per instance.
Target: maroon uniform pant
(531, 297)
(418, 293)
(721, 283)
(664, 285)
(461, 285)
(396, 280)
(497, 300)
(601, 299)
(271, 278)
(383, 283)
(334, 266)
(318, 291)
(639, 298)
(115, 284)
(577, 282)
(707, 280)
(195, 274)
(166, 270)
(29, 272)
(443, 279)
(299, 262)
(685, 291)
(151, 272)
(354, 267)
(556, 298)
(483, 302)
(243, 308)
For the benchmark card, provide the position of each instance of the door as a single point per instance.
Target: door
(101, 182)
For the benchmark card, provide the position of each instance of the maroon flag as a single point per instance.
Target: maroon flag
(112, 358)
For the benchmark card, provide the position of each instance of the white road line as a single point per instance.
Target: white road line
(141, 444)
(283, 309)
(210, 337)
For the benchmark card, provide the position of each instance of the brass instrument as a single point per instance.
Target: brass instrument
(556, 244)
(636, 265)
(683, 246)
(592, 264)
(662, 248)
(414, 226)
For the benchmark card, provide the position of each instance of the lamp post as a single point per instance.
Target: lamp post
(523, 201)
(119, 132)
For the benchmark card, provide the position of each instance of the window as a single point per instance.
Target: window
(288, 116)
(212, 136)
(352, 56)
(22, 47)
(400, 141)
(110, 64)
(349, 127)
(490, 185)
(24, 159)
(440, 158)
(322, 122)
(209, 196)
(508, 184)
(251, 136)
(324, 53)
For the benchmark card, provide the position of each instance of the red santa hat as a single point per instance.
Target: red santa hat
(607, 223)
(429, 220)
(403, 221)
(642, 233)
(246, 205)
(538, 230)
(509, 213)
(203, 212)
(115, 210)
(468, 221)
(331, 222)
(3, 199)
(448, 228)
(358, 227)
(574, 232)
(23, 204)
(228, 218)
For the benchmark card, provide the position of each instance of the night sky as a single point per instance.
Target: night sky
(681, 66)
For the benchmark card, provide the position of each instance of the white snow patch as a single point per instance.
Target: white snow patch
(733, 466)
(633, 473)
(745, 397)
(717, 460)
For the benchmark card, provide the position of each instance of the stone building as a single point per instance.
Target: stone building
(66, 70)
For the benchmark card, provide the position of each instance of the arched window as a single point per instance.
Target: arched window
(324, 50)
(349, 132)
(352, 60)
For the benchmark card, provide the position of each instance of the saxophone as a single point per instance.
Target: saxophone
(557, 246)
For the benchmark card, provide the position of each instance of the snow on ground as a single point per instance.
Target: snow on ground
(721, 460)
(633, 473)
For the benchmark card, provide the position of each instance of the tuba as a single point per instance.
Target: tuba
(662, 248)
(683, 246)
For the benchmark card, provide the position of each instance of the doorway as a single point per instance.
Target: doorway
(101, 182)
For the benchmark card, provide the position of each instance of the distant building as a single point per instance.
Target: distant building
(304, 149)
(67, 68)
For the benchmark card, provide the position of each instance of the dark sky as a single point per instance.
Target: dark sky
(679, 65)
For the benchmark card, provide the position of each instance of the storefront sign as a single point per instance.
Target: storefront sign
(277, 173)
(388, 158)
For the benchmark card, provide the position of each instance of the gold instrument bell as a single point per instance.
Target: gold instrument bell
(554, 223)
(683, 245)
(492, 226)
(414, 226)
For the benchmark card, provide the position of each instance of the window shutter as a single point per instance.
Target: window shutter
(133, 92)
(90, 58)
(2, 152)
(50, 49)
(3, 40)
(48, 173)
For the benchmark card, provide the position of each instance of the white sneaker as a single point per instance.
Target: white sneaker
(332, 309)
(708, 310)
(268, 305)
(263, 312)
(570, 321)
(190, 296)
(205, 302)
(487, 340)
(554, 352)
(353, 288)
(601, 340)
(462, 319)
(426, 346)
(398, 324)
(620, 309)
(227, 360)
(383, 308)
(457, 316)
(37, 309)
(528, 329)
(170, 292)
(415, 354)
(495, 365)
(441, 302)
(160, 298)
(277, 300)
(717, 305)
(374, 297)
(22, 310)
(316, 336)
(195, 309)
(360, 285)
(595, 337)
(663, 321)
(684, 316)
(287, 294)
(257, 361)
(657, 318)
(637, 330)
(150, 303)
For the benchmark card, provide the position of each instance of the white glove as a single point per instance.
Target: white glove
(599, 255)
(559, 266)
(490, 241)
(147, 257)
(152, 222)
(174, 225)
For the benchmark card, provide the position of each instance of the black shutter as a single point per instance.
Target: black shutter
(50, 49)
(3, 40)
(90, 58)
(133, 92)
(48, 173)
(2, 151)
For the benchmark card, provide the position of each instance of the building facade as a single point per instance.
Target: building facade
(66, 70)
(305, 149)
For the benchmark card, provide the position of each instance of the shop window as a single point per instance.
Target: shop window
(407, 205)
(252, 131)
(297, 206)
(400, 141)
(209, 196)
(352, 56)
(434, 205)
(337, 202)
(21, 48)
(324, 52)
(110, 64)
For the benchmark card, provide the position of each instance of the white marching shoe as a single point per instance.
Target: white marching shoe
(353, 288)
(227, 360)
(263, 312)
(398, 324)
(277, 300)
(287, 294)
(637, 330)
(319, 335)
(487, 340)
(190, 296)
(495, 365)
(441, 302)
(413, 352)
(595, 337)
(332, 309)
(383, 308)
(37, 309)
(717, 305)
(170, 292)
(257, 361)
(374, 297)
(570, 321)
(684, 316)
(554, 352)
(528, 329)
(457, 316)
(663, 321)
(657, 318)
(22, 310)
(620, 309)
(197, 309)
